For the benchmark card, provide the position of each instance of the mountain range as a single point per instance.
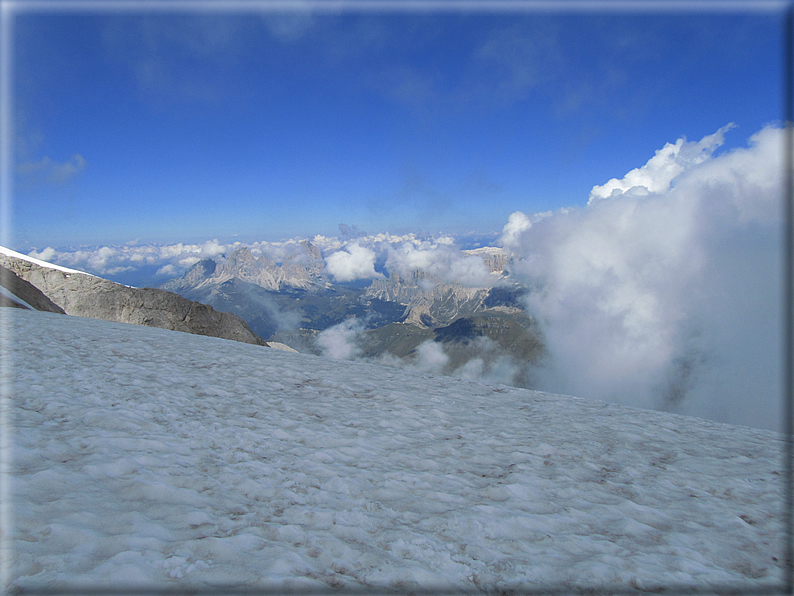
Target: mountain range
(292, 302)
(290, 305)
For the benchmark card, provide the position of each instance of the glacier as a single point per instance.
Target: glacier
(139, 458)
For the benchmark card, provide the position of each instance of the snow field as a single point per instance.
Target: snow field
(145, 457)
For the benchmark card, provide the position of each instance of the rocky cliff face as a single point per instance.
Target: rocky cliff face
(429, 302)
(85, 295)
(23, 294)
(496, 259)
(196, 275)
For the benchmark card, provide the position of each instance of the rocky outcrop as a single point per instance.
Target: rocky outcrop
(496, 259)
(197, 274)
(429, 302)
(23, 294)
(302, 270)
(85, 295)
(280, 346)
(313, 252)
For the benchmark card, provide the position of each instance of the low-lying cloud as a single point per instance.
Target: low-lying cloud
(342, 341)
(664, 291)
(352, 263)
(490, 364)
(170, 259)
(441, 259)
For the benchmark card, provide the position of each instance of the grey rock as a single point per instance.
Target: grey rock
(313, 252)
(86, 295)
(302, 270)
(428, 300)
(280, 346)
(26, 292)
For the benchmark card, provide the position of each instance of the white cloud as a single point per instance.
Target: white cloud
(516, 224)
(670, 298)
(101, 259)
(469, 271)
(188, 262)
(354, 262)
(408, 257)
(430, 358)
(668, 162)
(324, 243)
(172, 259)
(168, 270)
(48, 254)
(342, 340)
(440, 259)
(213, 248)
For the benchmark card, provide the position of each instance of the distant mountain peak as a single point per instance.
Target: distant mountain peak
(303, 271)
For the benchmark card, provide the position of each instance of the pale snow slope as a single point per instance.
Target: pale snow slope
(147, 457)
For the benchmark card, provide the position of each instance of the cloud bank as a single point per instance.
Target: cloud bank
(664, 292)
(170, 259)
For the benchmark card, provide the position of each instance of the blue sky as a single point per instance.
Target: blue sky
(161, 127)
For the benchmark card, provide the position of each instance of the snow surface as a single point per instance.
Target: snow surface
(143, 457)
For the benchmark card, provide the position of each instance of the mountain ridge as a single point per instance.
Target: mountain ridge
(304, 271)
(19, 293)
(428, 300)
(85, 295)
(414, 308)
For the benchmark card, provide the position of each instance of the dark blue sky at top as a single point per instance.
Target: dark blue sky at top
(177, 127)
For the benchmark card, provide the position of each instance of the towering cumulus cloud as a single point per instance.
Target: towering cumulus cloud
(670, 161)
(665, 290)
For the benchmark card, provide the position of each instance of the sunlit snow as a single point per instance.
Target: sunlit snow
(145, 457)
